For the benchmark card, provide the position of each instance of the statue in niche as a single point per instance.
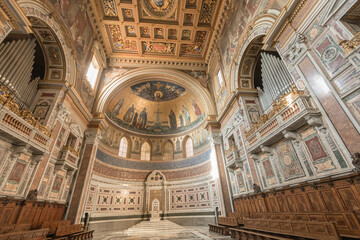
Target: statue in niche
(181, 119)
(134, 122)
(129, 114)
(186, 115)
(142, 119)
(172, 117)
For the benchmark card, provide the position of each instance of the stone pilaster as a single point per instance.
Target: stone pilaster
(83, 178)
(225, 187)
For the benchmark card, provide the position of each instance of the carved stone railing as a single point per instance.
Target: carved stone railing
(288, 113)
(69, 158)
(21, 124)
(234, 160)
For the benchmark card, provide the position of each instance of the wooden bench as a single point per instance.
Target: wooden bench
(39, 234)
(307, 230)
(223, 225)
(54, 225)
(246, 234)
(82, 235)
(66, 230)
(218, 229)
(346, 223)
(14, 228)
(239, 217)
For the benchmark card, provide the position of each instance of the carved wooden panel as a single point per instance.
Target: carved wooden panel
(349, 199)
(330, 201)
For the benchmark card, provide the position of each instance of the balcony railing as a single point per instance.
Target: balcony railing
(288, 113)
(20, 123)
(234, 159)
(69, 158)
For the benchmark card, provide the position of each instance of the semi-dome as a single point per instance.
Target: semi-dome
(155, 107)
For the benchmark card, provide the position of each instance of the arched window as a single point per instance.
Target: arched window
(145, 152)
(189, 147)
(220, 78)
(168, 151)
(123, 147)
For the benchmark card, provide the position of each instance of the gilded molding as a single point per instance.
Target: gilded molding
(350, 45)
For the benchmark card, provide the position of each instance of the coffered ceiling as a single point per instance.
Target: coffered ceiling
(176, 30)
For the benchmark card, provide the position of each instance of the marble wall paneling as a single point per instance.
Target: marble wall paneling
(336, 114)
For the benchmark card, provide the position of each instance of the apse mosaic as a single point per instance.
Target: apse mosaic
(156, 107)
(158, 91)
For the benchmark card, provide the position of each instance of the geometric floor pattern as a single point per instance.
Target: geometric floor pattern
(160, 230)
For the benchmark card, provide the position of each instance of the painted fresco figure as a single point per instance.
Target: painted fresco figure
(181, 119)
(129, 115)
(118, 107)
(196, 108)
(142, 119)
(172, 117)
(134, 122)
(186, 115)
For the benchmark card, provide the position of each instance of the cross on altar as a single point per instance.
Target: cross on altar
(158, 115)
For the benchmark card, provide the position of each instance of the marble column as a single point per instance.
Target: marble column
(225, 188)
(82, 182)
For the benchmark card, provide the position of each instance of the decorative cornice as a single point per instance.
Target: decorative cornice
(133, 62)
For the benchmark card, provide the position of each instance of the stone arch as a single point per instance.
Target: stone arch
(168, 75)
(57, 46)
(258, 28)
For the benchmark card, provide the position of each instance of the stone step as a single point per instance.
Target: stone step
(160, 227)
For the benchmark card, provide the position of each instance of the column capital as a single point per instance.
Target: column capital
(265, 149)
(254, 157)
(21, 149)
(215, 138)
(92, 136)
(289, 135)
(314, 120)
(37, 158)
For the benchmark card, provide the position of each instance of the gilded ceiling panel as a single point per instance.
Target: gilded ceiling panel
(156, 29)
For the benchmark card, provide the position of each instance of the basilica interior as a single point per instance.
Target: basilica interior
(179, 119)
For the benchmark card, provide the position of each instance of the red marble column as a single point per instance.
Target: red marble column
(335, 112)
(84, 175)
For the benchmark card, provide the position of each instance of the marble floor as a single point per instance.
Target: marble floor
(160, 230)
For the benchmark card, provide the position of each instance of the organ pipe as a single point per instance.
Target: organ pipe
(16, 66)
(275, 78)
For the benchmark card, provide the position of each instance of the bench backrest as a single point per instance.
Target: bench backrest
(345, 222)
(68, 229)
(228, 221)
(28, 235)
(14, 228)
(54, 224)
(317, 230)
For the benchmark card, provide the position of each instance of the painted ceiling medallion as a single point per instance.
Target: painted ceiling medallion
(159, 8)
